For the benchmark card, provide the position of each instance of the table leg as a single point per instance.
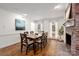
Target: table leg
(34, 48)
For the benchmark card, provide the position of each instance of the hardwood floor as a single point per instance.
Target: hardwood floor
(52, 49)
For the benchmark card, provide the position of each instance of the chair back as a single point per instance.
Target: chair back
(23, 38)
(36, 33)
(43, 36)
(26, 32)
(31, 32)
(46, 34)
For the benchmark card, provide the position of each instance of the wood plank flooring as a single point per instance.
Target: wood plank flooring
(52, 49)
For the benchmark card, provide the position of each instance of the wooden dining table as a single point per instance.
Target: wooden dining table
(34, 38)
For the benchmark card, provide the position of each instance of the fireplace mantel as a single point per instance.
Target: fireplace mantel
(69, 30)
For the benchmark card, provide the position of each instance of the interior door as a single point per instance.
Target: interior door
(53, 30)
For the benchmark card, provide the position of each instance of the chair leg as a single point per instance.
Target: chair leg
(41, 46)
(34, 48)
(26, 50)
(21, 48)
(44, 44)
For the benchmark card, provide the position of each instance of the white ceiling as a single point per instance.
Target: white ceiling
(35, 11)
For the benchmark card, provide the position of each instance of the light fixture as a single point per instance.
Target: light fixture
(58, 7)
(24, 14)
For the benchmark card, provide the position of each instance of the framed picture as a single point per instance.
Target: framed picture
(19, 24)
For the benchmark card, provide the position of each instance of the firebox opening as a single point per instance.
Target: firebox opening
(68, 39)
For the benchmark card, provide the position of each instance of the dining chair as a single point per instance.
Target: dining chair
(26, 32)
(40, 41)
(25, 42)
(36, 33)
(31, 32)
(22, 40)
(45, 39)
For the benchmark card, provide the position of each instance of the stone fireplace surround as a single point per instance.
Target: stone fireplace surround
(74, 30)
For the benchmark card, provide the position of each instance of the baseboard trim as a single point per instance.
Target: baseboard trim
(10, 45)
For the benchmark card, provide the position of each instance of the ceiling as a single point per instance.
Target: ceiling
(36, 11)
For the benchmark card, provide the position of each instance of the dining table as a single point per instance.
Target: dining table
(34, 37)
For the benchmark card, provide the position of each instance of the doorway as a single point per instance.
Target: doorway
(53, 30)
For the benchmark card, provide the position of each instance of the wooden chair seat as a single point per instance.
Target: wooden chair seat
(38, 41)
(30, 42)
(42, 41)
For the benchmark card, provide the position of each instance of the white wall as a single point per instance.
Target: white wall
(32, 26)
(8, 34)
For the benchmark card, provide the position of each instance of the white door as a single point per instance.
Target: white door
(53, 30)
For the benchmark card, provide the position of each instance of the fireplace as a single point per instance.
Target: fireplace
(68, 39)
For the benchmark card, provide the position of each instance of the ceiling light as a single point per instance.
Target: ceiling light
(24, 14)
(58, 7)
